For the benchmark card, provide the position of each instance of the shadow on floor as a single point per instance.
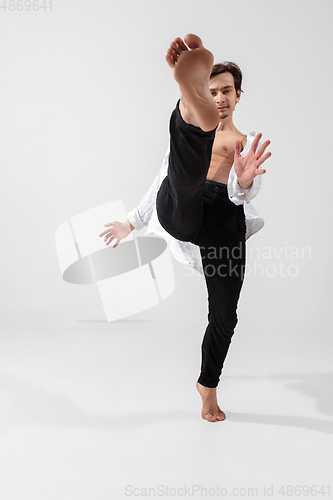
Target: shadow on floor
(26, 403)
(115, 321)
(315, 385)
(23, 402)
(313, 424)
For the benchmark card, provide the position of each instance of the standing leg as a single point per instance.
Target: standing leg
(222, 247)
(223, 294)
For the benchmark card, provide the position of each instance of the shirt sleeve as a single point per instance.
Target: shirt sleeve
(141, 215)
(237, 194)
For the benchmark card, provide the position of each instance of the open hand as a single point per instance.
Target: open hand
(247, 167)
(116, 231)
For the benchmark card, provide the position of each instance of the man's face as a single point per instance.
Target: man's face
(222, 88)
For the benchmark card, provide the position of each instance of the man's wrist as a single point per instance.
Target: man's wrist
(245, 186)
(129, 225)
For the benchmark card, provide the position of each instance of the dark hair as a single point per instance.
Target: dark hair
(229, 67)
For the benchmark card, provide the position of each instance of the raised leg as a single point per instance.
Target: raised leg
(179, 201)
(191, 64)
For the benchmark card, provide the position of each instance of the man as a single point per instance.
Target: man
(201, 197)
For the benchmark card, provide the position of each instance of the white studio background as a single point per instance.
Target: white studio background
(85, 100)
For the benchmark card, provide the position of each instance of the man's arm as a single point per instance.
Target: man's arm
(248, 167)
(237, 192)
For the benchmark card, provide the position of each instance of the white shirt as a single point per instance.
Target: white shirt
(188, 253)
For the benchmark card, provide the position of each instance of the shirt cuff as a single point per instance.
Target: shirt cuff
(239, 191)
(238, 195)
(134, 218)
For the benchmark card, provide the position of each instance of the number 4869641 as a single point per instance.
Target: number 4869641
(19, 5)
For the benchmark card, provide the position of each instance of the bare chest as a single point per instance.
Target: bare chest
(223, 155)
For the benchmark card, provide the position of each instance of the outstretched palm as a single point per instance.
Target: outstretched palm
(116, 231)
(247, 167)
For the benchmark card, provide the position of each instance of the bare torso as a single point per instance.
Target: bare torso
(223, 154)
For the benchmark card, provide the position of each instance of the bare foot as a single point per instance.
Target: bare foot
(191, 70)
(210, 409)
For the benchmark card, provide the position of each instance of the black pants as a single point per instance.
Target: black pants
(194, 209)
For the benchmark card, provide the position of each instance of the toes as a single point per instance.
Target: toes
(170, 60)
(181, 44)
(221, 413)
(214, 416)
(176, 47)
(193, 41)
(209, 417)
(173, 52)
(220, 417)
